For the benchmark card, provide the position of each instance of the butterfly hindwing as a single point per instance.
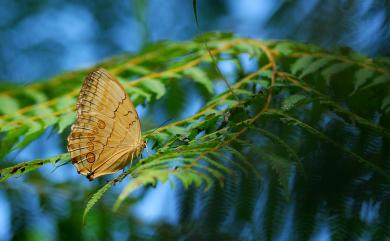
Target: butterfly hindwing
(107, 132)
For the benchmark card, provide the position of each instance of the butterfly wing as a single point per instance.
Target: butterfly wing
(107, 132)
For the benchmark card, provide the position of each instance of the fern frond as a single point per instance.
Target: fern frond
(293, 90)
(293, 121)
(25, 167)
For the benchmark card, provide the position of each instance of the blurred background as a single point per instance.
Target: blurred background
(40, 39)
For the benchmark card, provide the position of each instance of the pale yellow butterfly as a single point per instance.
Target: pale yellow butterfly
(107, 133)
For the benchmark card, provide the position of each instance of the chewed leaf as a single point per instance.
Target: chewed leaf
(29, 166)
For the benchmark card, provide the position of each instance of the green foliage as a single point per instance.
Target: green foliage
(288, 112)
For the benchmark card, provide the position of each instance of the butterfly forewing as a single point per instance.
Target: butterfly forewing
(107, 133)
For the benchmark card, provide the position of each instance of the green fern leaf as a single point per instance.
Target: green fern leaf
(315, 66)
(332, 70)
(200, 77)
(154, 86)
(291, 101)
(301, 64)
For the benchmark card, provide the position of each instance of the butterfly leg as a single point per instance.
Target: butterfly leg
(89, 176)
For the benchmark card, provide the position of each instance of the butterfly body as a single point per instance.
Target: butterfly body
(107, 133)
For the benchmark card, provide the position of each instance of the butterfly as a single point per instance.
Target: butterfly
(106, 135)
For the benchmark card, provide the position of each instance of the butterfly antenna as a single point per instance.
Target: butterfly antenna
(160, 126)
(60, 165)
